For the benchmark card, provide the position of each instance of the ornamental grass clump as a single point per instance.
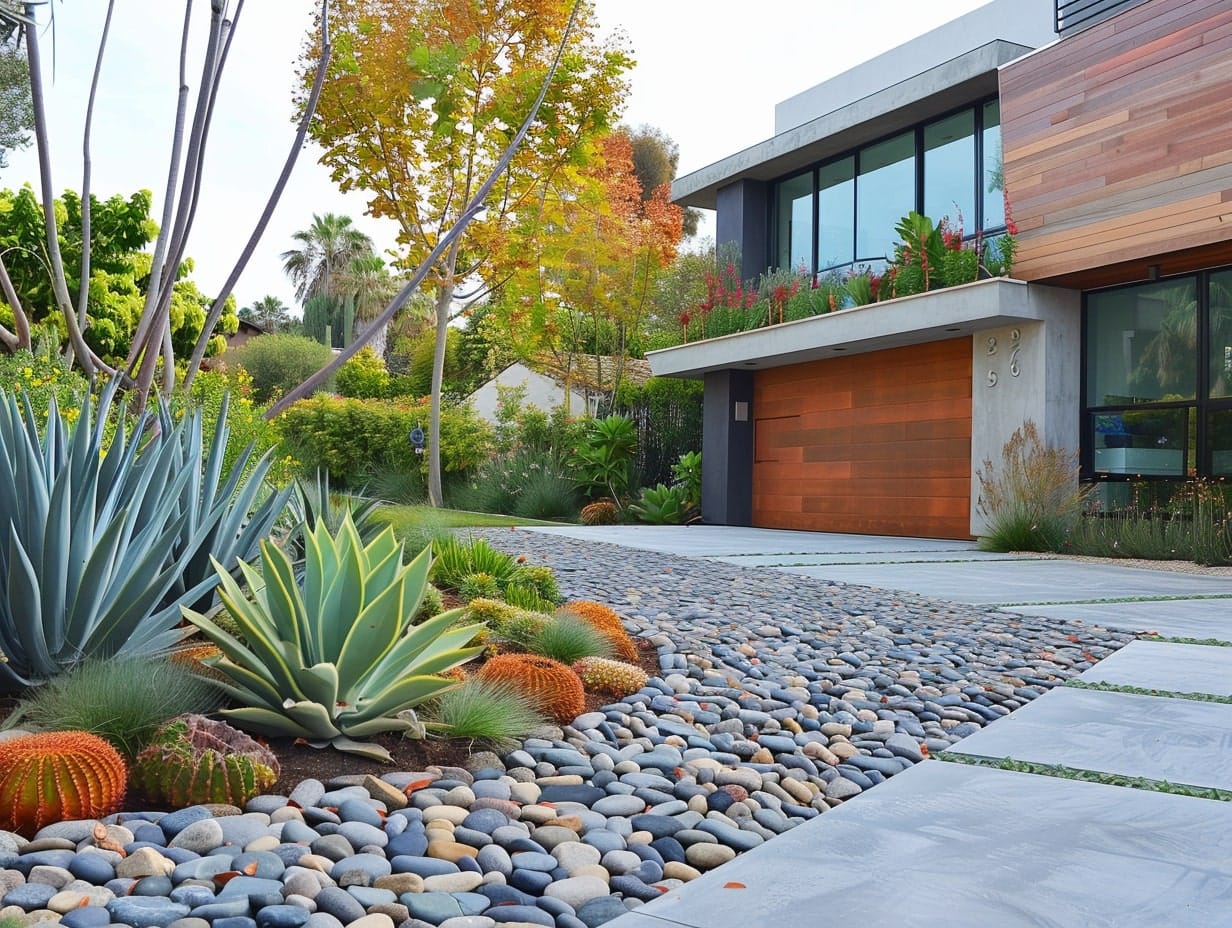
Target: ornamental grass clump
(1033, 500)
(605, 619)
(334, 656)
(565, 638)
(494, 712)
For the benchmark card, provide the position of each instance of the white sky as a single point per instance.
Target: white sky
(708, 73)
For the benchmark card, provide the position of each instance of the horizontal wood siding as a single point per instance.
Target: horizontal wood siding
(876, 443)
(1117, 142)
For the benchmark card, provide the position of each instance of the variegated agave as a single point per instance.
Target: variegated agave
(333, 657)
(104, 533)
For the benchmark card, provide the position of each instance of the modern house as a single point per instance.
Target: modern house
(1107, 127)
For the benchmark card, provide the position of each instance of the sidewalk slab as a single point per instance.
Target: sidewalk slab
(969, 847)
(858, 558)
(1160, 665)
(1180, 618)
(1027, 581)
(1177, 740)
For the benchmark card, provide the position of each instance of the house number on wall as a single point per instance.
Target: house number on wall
(990, 349)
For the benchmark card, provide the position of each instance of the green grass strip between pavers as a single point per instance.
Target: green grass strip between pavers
(1087, 776)
(1180, 639)
(1144, 691)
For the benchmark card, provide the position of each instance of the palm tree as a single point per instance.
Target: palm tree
(327, 248)
(269, 312)
(367, 287)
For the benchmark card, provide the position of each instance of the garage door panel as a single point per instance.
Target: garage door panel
(878, 443)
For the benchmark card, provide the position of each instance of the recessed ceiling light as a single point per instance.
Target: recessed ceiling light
(954, 329)
(750, 363)
(838, 349)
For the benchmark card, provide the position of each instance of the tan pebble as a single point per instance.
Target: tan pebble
(395, 910)
(444, 826)
(703, 763)
(591, 870)
(144, 862)
(564, 779)
(762, 756)
(706, 856)
(494, 878)
(221, 809)
(48, 844)
(822, 753)
(675, 741)
(639, 837)
(316, 862)
(572, 822)
(866, 715)
(15, 912)
(792, 726)
(378, 789)
(462, 882)
(453, 814)
(65, 901)
(460, 796)
(452, 851)
(286, 814)
(301, 902)
(698, 804)
(525, 793)
(375, 920)
(400, 883)
(798, 790)
(49, 876)
(261, 843)
(844, 749)
(675, 870)
(809, 711)
(537, 814)
(831, 729)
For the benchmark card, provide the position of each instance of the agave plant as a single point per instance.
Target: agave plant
(109, 532)
(664, 505)
(334, 656)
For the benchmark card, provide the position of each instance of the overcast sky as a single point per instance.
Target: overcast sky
(708, 73)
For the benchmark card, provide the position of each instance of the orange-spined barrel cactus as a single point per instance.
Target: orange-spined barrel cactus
(602, 512)
(58, 776)
(611, 678)
(551, 684)
(605, 619)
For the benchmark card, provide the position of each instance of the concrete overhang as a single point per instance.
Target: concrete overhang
(910, 320)
(955, 83)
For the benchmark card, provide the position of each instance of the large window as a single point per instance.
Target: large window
(885, 192)
(844, 211)
(1158, 375)
(794, 232)
(949, 170)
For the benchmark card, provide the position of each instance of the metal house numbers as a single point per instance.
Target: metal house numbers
(991, 348)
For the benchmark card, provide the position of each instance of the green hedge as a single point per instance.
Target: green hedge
(668, 415)
(353, 439)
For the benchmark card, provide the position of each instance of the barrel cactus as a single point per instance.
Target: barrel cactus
(194, 760)
(607, 621)
(601, 513)
(611, 678)
(58, 776)
(554, 687)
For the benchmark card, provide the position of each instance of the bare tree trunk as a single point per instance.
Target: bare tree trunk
(444, 299)
(21, 322)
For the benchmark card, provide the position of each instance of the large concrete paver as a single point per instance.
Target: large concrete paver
(968, 847)
(864, 558)
(1180, 618)
(1159, 665)
(1028, 581)
(1160, 738)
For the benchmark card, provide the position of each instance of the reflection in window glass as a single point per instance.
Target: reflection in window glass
(994, 184)
(794, 209)
(836, 193)
(1142, 344)
(949, 170)
(885, 193)
(1219, 437)
(1219, 317)
(1151, 442)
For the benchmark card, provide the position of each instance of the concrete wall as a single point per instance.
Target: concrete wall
(744, 219)
(727, 448)
(1023, 22)
(1026, 371)
(541, 391)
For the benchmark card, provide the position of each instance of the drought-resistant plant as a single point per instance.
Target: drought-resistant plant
(121, 699)
(539, 579)
(600, 512)
(456, 559)
(363, 377)
(551, 685)
(604, 459)
(611, 678)
(314, 504)
(605, 619)
(110, 531)
(277, 363)
(485, 710)
(687, 473)
(194, 760)
(663, 505)
(564, 637)
(57, 776)
(478, 585)
(334, 657)
(1033, 500)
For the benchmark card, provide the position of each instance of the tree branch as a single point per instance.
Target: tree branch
(21, 322)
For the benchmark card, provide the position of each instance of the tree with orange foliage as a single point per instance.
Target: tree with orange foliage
(589, 261)
(422, 99)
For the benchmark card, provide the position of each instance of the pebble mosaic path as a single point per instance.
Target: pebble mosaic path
(779, 698)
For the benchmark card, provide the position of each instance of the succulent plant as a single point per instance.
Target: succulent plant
(664, 505)
(334, 656)
(602, 512)
(607, 621)
(57, 776)
(478, 585)
(540, 578)
(553, 686)
(194, 760)
(109, 532)
(611, 678)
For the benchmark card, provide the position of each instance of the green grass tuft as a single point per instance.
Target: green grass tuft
(486, 711)
(567, 638)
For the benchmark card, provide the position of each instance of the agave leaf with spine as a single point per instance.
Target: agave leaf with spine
(333, 656)
(105, 534)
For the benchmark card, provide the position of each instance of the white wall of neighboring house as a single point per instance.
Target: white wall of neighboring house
(541, 391)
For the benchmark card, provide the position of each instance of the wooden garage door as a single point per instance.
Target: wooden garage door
(876, 443)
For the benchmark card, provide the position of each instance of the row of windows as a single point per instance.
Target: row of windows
(1158, 378)
(844, 211)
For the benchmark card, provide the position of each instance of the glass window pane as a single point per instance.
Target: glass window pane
(949, 170)
(1142, 344)
(994, 183)
(885, 193)
(836, 208)
(1220, 321)
(1219, 436)
(1141, 441)
(795, 222)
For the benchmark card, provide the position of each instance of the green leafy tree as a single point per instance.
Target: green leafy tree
(656, 157)
(16, 108)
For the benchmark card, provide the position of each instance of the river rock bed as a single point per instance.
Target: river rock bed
(780, 697)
